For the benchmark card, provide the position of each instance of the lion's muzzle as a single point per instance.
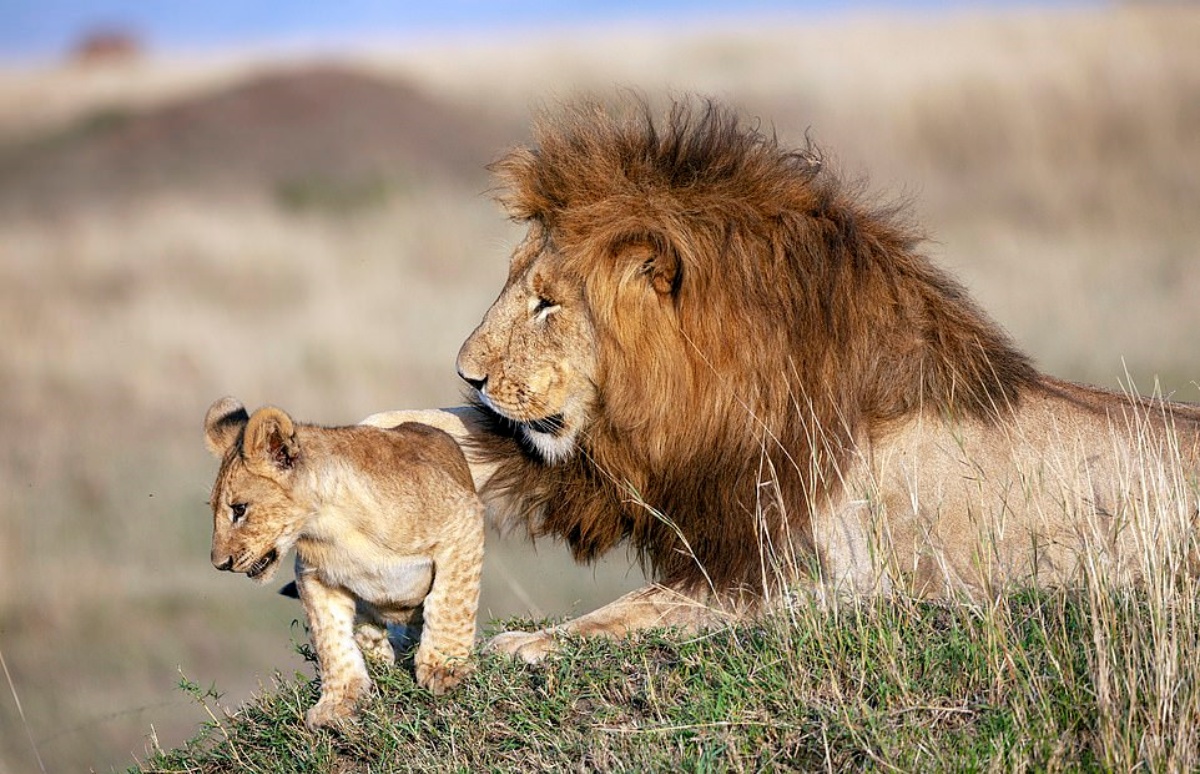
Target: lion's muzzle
(477, 382)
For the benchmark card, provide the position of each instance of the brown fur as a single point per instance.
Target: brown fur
(795, 322)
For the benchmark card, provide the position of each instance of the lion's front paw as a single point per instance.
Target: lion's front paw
(330, 713)
(530, 647)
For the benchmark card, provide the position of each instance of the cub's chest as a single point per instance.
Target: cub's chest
(382, 578)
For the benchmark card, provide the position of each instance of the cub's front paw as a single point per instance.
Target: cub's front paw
(439, 675)
(530, 647)
(330, 713)
(339, 703)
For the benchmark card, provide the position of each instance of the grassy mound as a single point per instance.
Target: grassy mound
(1039, 680)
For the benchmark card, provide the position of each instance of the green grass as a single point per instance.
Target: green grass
(874, 685)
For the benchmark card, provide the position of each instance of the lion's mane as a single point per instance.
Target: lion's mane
(799, 321)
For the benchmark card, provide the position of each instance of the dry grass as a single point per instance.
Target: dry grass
(1054, 156)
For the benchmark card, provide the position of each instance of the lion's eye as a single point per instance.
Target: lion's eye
(238, 511)
(544, 308)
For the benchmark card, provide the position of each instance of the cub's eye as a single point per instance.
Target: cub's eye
(238, 511)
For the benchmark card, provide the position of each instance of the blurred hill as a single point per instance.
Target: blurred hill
(318, 130)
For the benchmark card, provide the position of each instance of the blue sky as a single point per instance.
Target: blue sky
(45, 29)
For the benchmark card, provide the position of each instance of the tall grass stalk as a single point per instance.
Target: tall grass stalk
(12, 688)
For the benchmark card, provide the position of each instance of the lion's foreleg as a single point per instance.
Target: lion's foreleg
(344, 677)
(649, 607)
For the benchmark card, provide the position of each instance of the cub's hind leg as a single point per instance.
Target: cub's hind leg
(383, 633)
(373, 642)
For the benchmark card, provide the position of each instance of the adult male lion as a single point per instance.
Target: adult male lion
(710, 349)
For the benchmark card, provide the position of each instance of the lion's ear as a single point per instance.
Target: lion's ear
(224, 421)
(654, 258)
(270, 443)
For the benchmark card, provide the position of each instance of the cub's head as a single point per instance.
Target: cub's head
(533, 358)
(256, 520)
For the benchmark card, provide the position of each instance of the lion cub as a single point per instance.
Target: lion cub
(387, 529)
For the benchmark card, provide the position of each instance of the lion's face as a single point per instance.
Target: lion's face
(533, 358)
(255, 519)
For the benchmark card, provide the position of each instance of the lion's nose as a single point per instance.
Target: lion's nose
(477, 382)
(224, 566)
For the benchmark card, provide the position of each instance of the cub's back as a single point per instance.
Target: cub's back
(430, 447)
(406, 456)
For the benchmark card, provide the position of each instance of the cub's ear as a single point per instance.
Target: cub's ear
(652, 257)
(222, 424)
(270, 442)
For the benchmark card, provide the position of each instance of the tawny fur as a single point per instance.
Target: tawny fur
(709, 348)
(387, 530)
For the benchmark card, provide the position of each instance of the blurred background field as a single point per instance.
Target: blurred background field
(314, 230)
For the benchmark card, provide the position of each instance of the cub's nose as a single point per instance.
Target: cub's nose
(476, 382)
(224, 565)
